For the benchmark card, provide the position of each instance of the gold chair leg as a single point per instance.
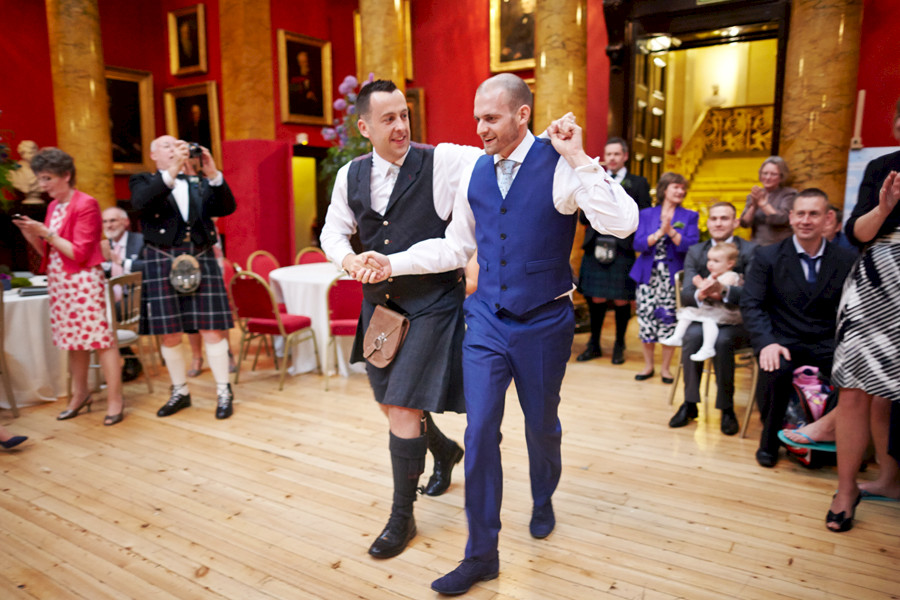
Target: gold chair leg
(752, 398)
(674, 389)
(143, 362)
(7, 386)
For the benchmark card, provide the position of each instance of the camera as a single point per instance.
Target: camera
(194, 150)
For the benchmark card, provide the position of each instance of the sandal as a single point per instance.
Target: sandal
(844, 523)
(195, 371)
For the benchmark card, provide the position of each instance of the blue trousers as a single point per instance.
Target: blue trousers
(532, 352)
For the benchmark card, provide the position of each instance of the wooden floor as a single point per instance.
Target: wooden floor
(283, 499)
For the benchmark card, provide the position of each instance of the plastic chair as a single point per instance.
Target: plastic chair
(258, 315)
(743, 357)
(126, 315)
(310, 254)
(4, 369)
(262, 263)
(344, 305)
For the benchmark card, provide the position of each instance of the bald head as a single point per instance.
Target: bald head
(514, 88)
(115, 223)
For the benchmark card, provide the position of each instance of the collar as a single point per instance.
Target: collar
(521, 150)
(800, 249)
(618, 175)
(382, 165)
(123, 240)
(730, 240)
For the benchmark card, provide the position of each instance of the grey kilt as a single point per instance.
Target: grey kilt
(427, 371)
(163, 310)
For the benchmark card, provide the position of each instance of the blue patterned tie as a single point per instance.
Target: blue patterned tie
(811, 266)
(506, 175)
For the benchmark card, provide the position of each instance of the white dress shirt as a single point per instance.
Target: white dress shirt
(818, 255)
(450, 162)
(607, 206)
(180, 191)
(619, 176)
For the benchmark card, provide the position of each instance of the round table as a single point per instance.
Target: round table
(304, 290)
(36, 366)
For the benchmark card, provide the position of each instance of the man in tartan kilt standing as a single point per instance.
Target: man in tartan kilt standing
(176, 206)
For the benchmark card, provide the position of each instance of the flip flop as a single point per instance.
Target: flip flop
(877, 497)
(812, 445)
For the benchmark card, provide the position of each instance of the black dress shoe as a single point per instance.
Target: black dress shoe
(729, 424)
(766, 459)
(176, 402)
(443, 467)
(396, 535)
(132, 369)
(686, 412)
(643, 376)
(590, 353)
(224, 403)
(618, 354)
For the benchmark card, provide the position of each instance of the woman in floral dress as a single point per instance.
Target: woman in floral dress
(69, 240)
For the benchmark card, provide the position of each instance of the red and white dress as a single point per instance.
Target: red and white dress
(78, 317)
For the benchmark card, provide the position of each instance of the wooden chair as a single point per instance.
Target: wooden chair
(258, 315)
(310, 254)
(262, 263)
(126, 316)
(344, 305)
(743, 357)
(4, 368)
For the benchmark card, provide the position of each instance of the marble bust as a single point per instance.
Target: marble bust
(23, 178)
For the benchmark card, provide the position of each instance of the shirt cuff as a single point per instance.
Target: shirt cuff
(594, 167)
(167, 179)
(126, 265)
(401, 264)
(218, 180)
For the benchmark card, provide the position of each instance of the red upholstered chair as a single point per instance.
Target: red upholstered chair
(310, 254)
(262, 263)
(344, 305)
(258, 315)
(229, 268)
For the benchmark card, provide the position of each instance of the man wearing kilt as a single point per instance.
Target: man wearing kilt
(176, 206)
(394, 197)
(608, 260)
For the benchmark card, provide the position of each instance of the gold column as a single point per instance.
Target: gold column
(820, 92)
(560, 73)
(248, 83)
(80, 101)
(560, 52)
(382, 40)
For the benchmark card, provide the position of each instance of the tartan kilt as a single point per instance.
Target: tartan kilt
(163, 310)
(607, 281)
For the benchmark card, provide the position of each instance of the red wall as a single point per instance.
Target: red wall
(879, 70)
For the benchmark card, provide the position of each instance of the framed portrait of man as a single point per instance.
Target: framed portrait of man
(512, 35)
(304, 79)
(187, 40)
(415, 101)
(192, 115)
(131, 123)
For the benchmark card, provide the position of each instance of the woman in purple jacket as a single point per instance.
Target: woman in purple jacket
(664, 234)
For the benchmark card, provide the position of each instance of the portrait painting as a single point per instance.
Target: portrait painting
(415, 102)
(187, 40)
(512, 35)
(192, 115)
(131, 125)
(304, 79)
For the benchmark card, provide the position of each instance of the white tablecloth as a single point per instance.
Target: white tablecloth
(304, 290)
(37, 367)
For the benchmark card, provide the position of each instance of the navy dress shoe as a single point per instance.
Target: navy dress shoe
(469, 572)
(542, 521)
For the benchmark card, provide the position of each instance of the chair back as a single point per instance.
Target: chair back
(345, 298)
(126, 313)
(679, 282)
(229, 268)
(310, 254)
(262, 263)
(252, 298)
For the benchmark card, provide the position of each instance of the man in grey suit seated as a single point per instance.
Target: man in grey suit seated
(721, 223)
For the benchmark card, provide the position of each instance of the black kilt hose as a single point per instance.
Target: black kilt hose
(426, 374)
(163, 310)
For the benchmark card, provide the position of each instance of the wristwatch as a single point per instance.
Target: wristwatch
(50, 235)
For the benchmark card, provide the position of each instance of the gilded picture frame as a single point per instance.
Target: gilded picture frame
(407, 43)
(131, 121)
(304, 79)
(415, 101)
(512, 35)
(192, 115)
(187, 40)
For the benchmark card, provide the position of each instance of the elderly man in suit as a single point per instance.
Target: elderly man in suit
(721, 223)
(177, 204)
(790, 301)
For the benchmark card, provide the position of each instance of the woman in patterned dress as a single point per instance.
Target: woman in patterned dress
(664, 234)
(69, 240)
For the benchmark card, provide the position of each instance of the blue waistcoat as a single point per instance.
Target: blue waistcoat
(523, 241)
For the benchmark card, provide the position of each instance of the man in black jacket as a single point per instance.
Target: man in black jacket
(176, 205)
(721, 224)
(789, 305)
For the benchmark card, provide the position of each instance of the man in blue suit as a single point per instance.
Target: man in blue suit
(519, 203)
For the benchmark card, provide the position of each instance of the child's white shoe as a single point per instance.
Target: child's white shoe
(672, 340)
(702, 354)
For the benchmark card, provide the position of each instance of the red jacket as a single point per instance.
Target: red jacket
(83, 226)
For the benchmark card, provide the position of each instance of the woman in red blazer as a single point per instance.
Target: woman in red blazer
(69, 240)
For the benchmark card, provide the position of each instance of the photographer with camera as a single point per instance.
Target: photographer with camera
(183, 286)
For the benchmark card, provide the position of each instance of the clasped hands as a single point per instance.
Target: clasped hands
(367, 267)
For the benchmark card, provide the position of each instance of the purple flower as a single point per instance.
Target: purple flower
(340, 104)
(351, 110)
(329, 133)
(348, 85)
